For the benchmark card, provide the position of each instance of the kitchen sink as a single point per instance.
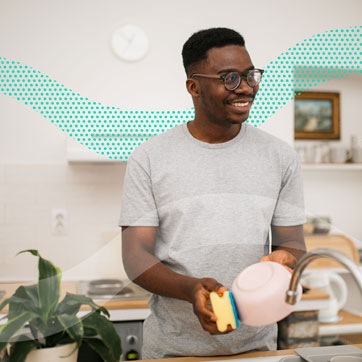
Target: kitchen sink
(292, 359)
(324, 354)
(112, 289)
(258, 359)
(310, 354)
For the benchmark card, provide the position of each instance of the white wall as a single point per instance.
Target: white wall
(90, 194)
(338, 194)
(69, 40)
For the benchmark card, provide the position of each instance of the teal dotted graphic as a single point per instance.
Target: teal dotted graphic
(116, 133)
(333, 54)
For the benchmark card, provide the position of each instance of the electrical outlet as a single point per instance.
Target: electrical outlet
(59, 222)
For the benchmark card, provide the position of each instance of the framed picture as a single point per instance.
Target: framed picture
(316, 116)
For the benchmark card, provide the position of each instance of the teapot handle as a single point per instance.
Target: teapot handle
(341, 287)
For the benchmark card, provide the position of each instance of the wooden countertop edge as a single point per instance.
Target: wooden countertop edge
(120, 304)
(284, 352)
(71, 286)
(143, 303)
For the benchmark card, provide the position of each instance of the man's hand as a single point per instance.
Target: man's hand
(202, 305)
(143, 268)
(282, 257)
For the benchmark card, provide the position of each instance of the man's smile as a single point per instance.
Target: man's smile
(240, 105)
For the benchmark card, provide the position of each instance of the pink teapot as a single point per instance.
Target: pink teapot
(257, 297)
(259, 293)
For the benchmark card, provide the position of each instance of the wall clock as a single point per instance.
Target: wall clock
(130, 42)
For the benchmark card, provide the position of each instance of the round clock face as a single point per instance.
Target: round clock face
(130, 42)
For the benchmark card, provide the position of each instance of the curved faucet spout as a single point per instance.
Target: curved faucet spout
(291, 296)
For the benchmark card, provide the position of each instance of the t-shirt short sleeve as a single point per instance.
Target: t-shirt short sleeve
(289, 209)
(138, 206)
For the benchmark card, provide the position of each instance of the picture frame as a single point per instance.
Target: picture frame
(317, 116)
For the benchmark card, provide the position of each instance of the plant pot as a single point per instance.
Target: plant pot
(53, 354)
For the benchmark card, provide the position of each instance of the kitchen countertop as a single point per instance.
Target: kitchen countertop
(280, 353)
(349, 323)
(71, 287)
(120, 310)
(262, 356)
(126, 310)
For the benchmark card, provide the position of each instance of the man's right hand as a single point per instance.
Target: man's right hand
(142, 267)
(202, 305)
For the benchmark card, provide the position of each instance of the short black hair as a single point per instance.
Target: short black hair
(196, 47)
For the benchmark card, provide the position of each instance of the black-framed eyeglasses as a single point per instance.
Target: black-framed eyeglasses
(232, 80)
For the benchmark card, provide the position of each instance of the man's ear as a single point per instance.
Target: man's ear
(193, 87)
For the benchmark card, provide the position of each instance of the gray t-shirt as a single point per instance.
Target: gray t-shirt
(213, 205)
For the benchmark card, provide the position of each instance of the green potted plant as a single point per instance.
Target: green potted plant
(53, 326)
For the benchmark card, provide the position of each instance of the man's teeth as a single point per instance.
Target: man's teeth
(240, 104)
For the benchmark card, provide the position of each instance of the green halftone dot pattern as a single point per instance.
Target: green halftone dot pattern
(106, 130)
(333, 54)
(116, 133)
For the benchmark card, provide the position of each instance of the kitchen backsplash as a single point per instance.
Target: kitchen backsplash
(91, 196)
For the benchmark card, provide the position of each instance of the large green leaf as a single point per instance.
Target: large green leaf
(89, 332)
(29, 291)
(26, 300)
(20, 297)
(17, 307)
(46, 331)
(31, 251)
(101, 349)
(73, 326)
(48, 285)
(4, 303)
(54, 332)
(21, 350)
(12, 326)
(72, 303)
(106, 333)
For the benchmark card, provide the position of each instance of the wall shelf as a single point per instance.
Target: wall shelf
(332, 166)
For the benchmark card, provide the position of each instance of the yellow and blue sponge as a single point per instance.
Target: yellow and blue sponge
(225, 310)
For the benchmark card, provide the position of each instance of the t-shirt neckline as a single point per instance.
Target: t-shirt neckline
(214, 145)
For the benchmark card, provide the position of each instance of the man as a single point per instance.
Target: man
(198, 203)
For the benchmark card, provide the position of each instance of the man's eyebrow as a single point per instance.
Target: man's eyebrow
(234, 70)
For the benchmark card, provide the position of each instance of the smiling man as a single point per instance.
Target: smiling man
(231, 103)
(198, 203)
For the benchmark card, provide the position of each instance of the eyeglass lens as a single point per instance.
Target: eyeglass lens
(233, 79)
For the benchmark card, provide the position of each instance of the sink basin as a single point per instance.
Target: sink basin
(291, 359)
(324, 354)
(260, 359)
(310, 354)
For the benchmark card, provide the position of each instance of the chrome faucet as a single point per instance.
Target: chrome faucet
(291, 296)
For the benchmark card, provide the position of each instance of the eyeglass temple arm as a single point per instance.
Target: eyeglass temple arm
(205, 76)
(218, 76)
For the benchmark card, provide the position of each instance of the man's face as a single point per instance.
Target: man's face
(218, 104)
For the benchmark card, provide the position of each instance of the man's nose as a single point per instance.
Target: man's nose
(244, 87)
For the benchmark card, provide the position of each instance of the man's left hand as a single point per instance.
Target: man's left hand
(282, 257)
